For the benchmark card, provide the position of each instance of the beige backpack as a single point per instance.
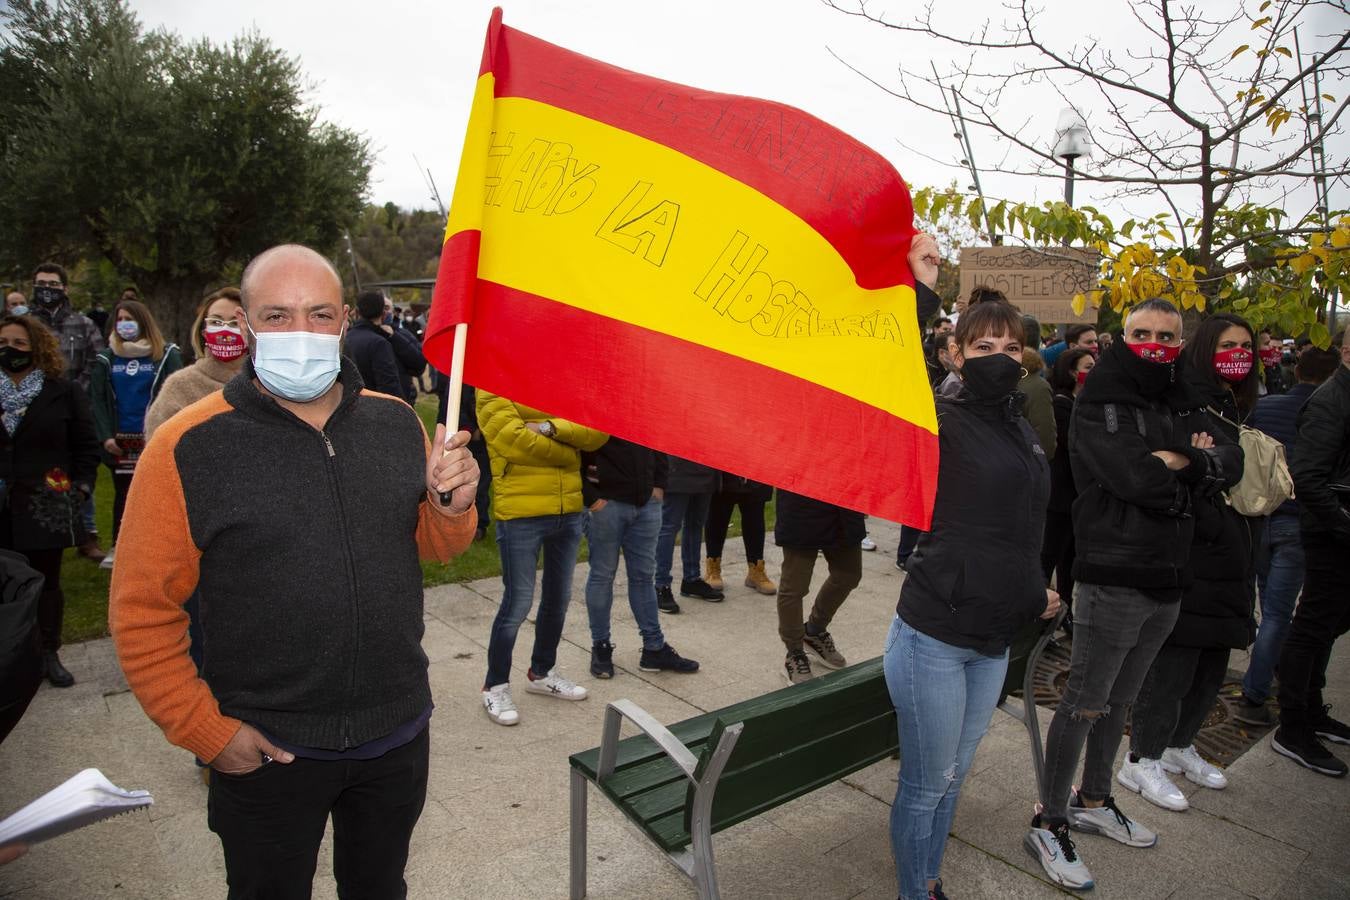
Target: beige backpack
(1266, 482)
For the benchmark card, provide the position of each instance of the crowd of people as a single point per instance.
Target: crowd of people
(1096, 473)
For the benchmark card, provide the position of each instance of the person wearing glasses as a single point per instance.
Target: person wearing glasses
(80, 341)
(219, 342)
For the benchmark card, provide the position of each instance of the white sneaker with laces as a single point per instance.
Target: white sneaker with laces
(1108, 821)
(1055, 851)
(1148, 779)
(555, 686)
(868, 543)
(501, 708)
(1187, 761)
(107, 562)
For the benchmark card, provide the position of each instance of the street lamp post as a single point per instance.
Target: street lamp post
(1072, 140)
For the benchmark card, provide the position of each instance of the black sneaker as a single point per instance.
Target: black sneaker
(665, 601)
(1254, 713)
(701, 589)
(1328, 729)
(602, 660)
(666, 660)
(935, 893)
(1305, 749)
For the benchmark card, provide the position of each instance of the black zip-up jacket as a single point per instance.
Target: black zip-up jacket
(1321, 468)
(621, 470)
(803, 523)
(1132, 519)
(975, 578)
(371, 350)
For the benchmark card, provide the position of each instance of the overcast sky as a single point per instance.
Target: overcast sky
(402, 71)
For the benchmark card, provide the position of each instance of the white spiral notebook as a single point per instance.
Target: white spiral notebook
(86, 798)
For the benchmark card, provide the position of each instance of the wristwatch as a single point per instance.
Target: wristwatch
(548, 429)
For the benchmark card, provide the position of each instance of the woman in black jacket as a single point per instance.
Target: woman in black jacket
(48, 462)
(974, 581)
(1216, 609)
(1066, 379)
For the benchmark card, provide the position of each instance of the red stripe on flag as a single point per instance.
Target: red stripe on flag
(843, 189)
(452, 298)
(688, 399)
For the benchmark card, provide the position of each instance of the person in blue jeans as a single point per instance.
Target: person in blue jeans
(537, 504)
(622, 486)
(974, 581)
(684, 511)
(1280, 568)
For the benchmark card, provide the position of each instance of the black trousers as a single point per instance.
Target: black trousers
(719, 520)
(52, 600)
(1322, 616)
(121, 487)
(1177, 694)
(270, 823)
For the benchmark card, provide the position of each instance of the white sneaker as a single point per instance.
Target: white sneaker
(1147, 778)
(1188, 761)
(868, 543)
(1056, 853)
(1108, 821)
(107, 562)
(555, 686)
(501, 708)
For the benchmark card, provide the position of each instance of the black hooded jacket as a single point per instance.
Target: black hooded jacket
(1133, 520)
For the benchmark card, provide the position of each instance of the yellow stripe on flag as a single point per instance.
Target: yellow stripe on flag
(603, 220)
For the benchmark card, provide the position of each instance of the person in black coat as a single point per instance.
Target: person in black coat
(973, 584)
(371, 349)
(689, 491)
(1069, 375)
(1216, 608)
(48, 462)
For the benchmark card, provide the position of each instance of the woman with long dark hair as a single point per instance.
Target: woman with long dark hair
(1057, 549)
(1216, 610)
(127, 376)
(974, 581)
(48, 462)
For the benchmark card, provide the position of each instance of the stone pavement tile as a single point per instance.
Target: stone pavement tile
(1316, 879)
(106, 859)
(830, 816)
(1275, 797)
(760, 859)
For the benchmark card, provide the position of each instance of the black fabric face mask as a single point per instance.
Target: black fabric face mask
(49, 297)
(991, 377)
(12, 359)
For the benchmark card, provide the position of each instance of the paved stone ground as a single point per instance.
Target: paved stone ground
(495, 823)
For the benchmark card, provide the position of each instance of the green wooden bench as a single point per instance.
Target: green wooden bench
(681, 785)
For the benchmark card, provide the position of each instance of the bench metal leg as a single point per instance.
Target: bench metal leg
(577, 862)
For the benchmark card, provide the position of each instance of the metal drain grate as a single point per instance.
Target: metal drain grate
(1221, 740)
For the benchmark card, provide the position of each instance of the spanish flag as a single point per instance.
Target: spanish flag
(718, 277)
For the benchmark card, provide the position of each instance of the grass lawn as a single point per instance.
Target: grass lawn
(86, 585)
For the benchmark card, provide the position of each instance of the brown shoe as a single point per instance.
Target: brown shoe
(756, 579)
(714, 577)
(90, 549)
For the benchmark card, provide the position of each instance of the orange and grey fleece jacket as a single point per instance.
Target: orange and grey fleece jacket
(302, 546)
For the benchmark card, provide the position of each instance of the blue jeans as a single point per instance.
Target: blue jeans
(519, 542)
(1279, 579)
(944, 697)
(622, 526)
(687, 511)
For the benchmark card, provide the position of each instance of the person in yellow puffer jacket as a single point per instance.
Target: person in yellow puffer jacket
(536, 471)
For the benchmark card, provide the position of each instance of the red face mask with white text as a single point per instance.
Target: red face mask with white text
(1154, 352)
(223, 342)
(1233, 364)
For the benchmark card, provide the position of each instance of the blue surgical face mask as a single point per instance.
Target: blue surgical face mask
(297, 365)
(19, 310)
(128, 330)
